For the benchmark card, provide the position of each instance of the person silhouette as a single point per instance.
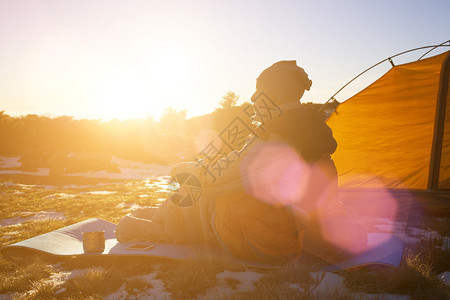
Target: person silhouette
(275, 193)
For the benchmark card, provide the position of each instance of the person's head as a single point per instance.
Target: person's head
(283, 82)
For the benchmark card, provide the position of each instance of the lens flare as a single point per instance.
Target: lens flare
(275, 174)
(342, 223)
(368, 212)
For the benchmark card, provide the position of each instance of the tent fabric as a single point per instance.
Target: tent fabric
(385, 132)
(444, 170)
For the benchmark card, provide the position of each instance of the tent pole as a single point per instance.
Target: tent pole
(438, 133)
(392, 63)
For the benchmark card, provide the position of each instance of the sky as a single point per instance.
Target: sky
(105, 59)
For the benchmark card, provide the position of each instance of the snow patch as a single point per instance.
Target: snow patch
(413, 235)
(157, 291)
(39, 172)
(129, 170)
(60, 277)
(409, 235)
(246, 283)
(100, 192)
(19, 185)
(328, 284)
(10, 162)
(131, 206)
(59, 196)
(32, 216)
(139, 165)
(27, 186)
(75, 186)
(444, 277)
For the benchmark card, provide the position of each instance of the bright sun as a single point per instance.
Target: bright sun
(126, 91)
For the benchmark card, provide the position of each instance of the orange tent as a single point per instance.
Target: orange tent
(396, 132)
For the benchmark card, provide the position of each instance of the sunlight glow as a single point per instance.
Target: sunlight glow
(121, 95)
(141, 90)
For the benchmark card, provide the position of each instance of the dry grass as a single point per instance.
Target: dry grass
(26, 277)
(416, 277)
(75, 204)
(18, 274)
(185, 280)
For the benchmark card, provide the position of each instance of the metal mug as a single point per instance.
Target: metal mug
(93, 242)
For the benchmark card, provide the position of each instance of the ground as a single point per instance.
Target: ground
(34, 204)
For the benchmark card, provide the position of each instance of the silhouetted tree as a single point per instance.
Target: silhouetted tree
(229, 100)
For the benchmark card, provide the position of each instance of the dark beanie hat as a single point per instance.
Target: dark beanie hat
(284, 80)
